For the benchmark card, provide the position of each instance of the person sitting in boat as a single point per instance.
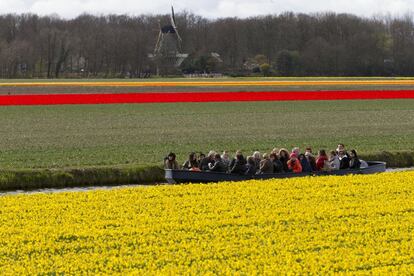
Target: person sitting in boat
(204, 163)
(276, 152)
(284, 158)
(334, 162)
(322, 162)
(277, 165)
(311, 159)
(354, 162)
(266, 165)
(171, 162)
(239, 165)
(191, 163)
(251, 166)
(343, 159)
(257, 159)
(218, 165)
(296, 151)
(341, 147)
(225, 158)
(294, 164)
(306, 167)
(200, 157)
(233, 161)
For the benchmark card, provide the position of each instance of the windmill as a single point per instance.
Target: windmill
(167, 53)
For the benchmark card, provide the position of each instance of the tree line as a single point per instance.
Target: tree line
(288, 44)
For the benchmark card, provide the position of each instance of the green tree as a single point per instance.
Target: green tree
(288, 62)
(265, 69)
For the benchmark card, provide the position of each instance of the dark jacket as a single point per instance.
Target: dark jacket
(234, 160)
(354, 163)
(344, 163)
(251, 170)
(257, 161)
(284, 163)
(239, 167)
(312, 163)
(219, 166)
(306, 167)
(190, 164)
(266, 166)
(204, 164)
(277, 166)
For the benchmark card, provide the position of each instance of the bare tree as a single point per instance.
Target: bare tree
(291, 44)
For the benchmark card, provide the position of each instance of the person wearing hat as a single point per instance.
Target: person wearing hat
(294, 164)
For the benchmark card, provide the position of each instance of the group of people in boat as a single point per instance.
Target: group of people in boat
(278, 161)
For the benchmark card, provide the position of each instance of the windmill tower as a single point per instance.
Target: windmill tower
(167, 54)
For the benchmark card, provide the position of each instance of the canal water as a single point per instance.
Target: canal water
(103, 188)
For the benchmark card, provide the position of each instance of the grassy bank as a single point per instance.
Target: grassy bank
(65, 178)
(30, 179)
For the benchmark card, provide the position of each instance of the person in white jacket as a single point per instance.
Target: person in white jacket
(334, 161)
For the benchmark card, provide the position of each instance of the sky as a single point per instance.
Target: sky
(207, 8)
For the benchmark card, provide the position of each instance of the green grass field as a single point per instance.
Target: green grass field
(175, 79)
(93, 135)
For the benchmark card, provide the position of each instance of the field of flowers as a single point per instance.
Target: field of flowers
(329, 224)
(219, 82)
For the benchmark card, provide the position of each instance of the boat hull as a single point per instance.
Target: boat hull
(183, 176)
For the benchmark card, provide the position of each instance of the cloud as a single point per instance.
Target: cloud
(211, 9)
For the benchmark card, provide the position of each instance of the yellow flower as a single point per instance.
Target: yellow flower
(354, 224)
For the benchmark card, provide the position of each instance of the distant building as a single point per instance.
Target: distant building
(167, 56)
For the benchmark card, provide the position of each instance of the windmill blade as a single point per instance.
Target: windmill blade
(158, 45)
(178, 36)
(173, 22)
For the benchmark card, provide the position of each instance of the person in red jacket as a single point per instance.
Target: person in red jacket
(322, 160)
(294, 164)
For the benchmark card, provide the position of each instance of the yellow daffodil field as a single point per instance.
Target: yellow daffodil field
(355, 224)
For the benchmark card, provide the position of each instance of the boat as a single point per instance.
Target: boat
(185, 176)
